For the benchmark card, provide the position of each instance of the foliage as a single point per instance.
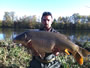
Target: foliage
(74, 22)
(8, 19)
(15, 56)
(0, 23)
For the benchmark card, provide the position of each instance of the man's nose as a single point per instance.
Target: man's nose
(46, 22)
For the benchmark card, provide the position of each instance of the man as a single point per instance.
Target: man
(47, 20)
(49, 61)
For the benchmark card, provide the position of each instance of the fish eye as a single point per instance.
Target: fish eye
(25, 36)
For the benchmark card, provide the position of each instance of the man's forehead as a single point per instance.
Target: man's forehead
(47, 17)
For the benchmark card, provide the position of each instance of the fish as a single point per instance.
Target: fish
(41, 42)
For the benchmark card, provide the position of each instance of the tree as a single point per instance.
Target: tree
(88, 18)
(0, 23)
(78, 24)
(9, 16)
(8, 19)
(54, 24)
(59, 20)
(32, 21)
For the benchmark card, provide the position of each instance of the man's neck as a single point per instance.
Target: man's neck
(48, 29)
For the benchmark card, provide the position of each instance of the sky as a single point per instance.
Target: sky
(37, 7)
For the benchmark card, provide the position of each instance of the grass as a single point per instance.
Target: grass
(14, 56)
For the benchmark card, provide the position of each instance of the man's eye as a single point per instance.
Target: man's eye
(48, 20)
(44, 20)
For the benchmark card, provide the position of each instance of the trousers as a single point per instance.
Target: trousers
(37, 64)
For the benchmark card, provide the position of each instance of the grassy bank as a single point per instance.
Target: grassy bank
(14, 56)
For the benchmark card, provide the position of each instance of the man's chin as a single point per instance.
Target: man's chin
(47, 27)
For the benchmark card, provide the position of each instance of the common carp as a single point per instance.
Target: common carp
(45, 42)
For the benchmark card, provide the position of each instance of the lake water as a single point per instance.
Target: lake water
(82, 36)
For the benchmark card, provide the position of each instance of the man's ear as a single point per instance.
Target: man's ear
(41, 19)
(52, 20)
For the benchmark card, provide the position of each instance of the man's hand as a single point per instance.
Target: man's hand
(56, 51)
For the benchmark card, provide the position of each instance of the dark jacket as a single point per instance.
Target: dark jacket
(50, 30)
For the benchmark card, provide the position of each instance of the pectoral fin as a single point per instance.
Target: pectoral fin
(67, 52)
(41, 54)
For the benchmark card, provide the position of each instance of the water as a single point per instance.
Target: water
(81, 36)
(11, 33)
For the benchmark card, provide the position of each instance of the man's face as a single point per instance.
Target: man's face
(47, 21)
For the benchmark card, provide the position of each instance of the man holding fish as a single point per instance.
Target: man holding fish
(47, 43)
(49, 61)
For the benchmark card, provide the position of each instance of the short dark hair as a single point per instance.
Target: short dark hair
(46, 14)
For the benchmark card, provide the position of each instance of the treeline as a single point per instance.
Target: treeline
(75, 21)
(72, 26)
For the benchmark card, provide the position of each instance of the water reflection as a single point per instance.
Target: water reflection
(81, 36)
(9, 33)
(1, 36)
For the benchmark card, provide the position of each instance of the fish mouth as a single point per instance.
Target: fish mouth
(14, 40)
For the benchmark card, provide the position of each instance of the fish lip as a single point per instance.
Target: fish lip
(14, 41)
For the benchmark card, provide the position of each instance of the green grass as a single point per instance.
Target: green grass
(14, 56)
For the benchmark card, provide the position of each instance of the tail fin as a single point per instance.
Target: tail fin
(84, 52)
(80, 54)
(78, 58)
